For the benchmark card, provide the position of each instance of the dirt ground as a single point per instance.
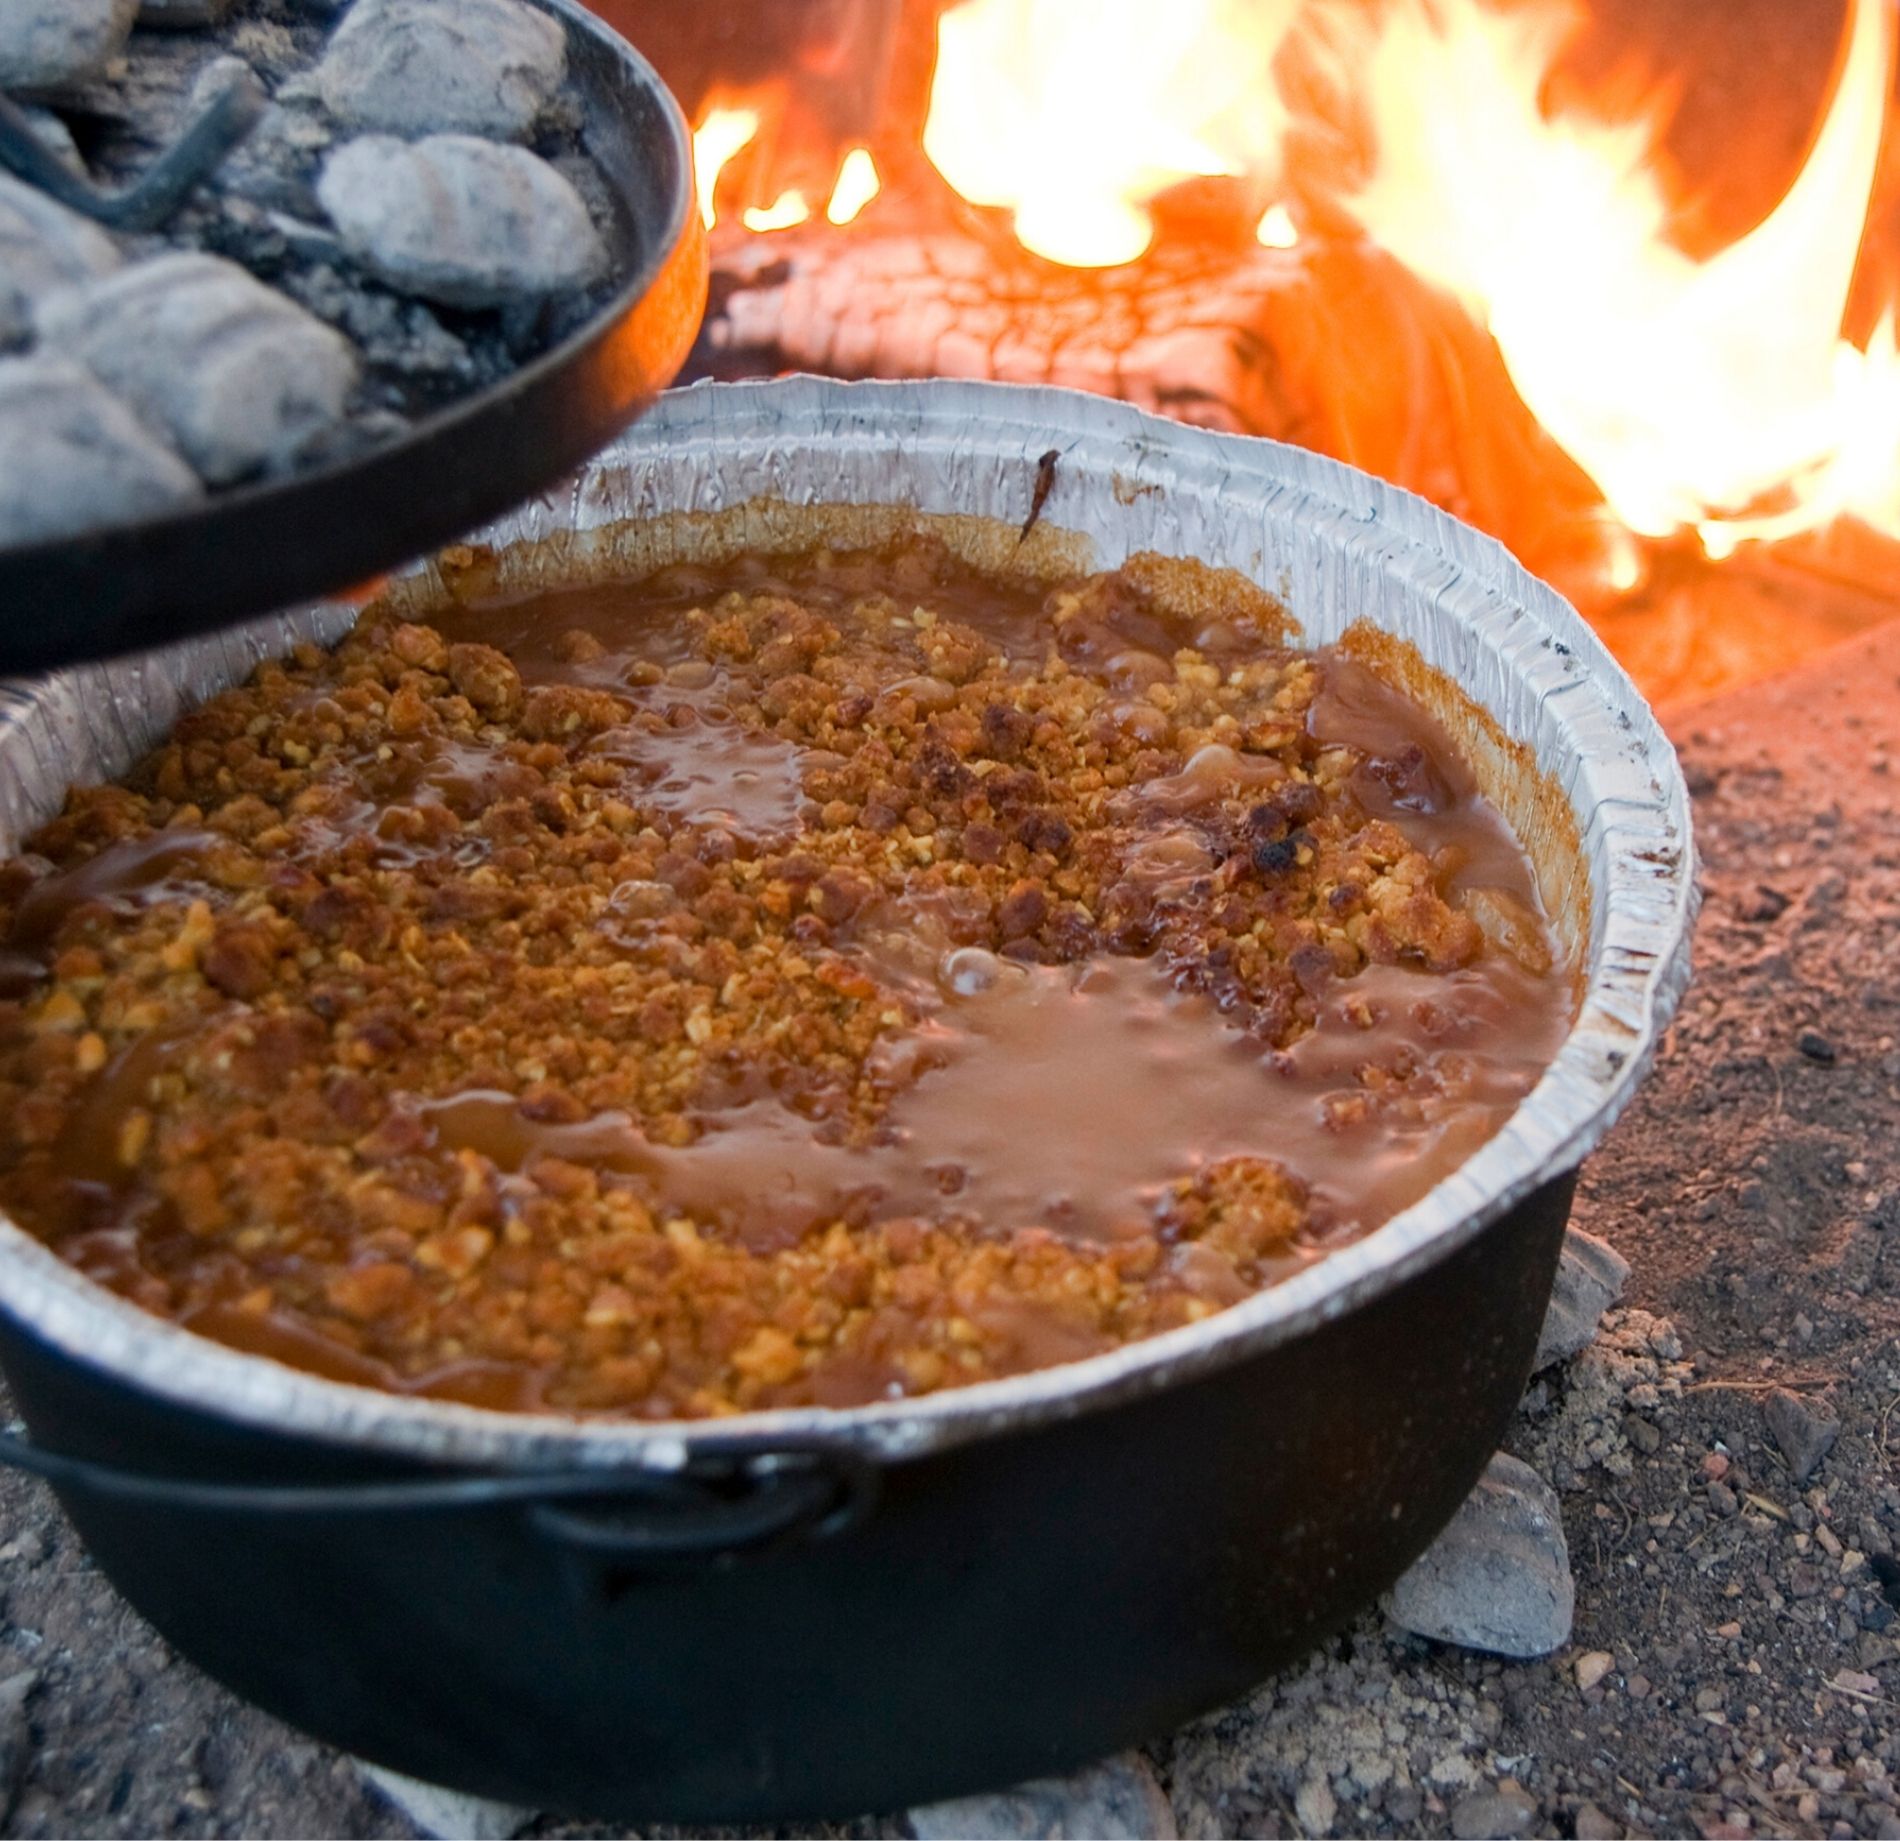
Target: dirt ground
(1741, 1626)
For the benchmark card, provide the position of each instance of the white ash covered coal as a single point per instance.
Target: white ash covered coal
(460, 220)
(43, 248)
(240, 379)
(410, 218)
(73, 456)
(413, 67)
(55, 45)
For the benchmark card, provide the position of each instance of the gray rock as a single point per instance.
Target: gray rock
(73, 458)
(1591, 1824)
(1486, 1815)
(16, 1736)
(1805, 1431)
(240, 377)
(415, 67)
(43, 248)
(1113, 1800)
(1590, 1278)
(61, 44)
(448, 1814)
(1498, 1578)
(461, 221)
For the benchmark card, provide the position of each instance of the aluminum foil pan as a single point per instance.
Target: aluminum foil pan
(1581, 767)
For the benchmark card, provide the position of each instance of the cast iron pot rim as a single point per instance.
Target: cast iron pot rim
(1645, 896)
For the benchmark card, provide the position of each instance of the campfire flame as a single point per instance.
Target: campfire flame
(722, 133)
(1074, 117)
(1718, 395)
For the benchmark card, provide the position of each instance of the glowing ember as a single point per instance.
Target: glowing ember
(1717, 395)
(1074, 117)
(718, 137)
(787, 209)
(857, 185)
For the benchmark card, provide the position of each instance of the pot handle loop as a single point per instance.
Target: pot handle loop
(717, 1505)
(772, 1497)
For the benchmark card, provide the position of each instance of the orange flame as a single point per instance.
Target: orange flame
(788, 209)
(857, 185)
(1073, 117)
(1718, 396)
(721, 134)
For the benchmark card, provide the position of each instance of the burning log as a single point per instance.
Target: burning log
(1332, 345)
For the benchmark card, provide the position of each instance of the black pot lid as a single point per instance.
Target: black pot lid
(249, 552)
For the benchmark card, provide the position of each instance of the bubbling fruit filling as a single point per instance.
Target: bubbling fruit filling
(801, 980)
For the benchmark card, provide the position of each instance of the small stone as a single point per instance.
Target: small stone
(1592, 1667)
(416, 67)
(1724, 1500)
(28, 1547)
(1804, 1432)
(16, 1735)
(61, 44)
(461, 221)
(1486, 1814)
(1498, 1578)
(1715, 1466)
(1315, 1805)
(43, 248)
(1118, 1800)
(1590, 1278)
(447, 1815)
(239, 376)
(74, 458)
(1591, 1824)
(1817, 1047)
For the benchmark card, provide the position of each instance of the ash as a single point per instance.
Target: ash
(1725, 1453)
(416, 344)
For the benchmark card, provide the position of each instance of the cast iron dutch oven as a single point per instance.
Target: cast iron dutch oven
(807, 1613)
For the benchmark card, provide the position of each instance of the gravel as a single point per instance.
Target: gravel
(1498, 1578)
(57, 45)
(419, 67)
(43, 248)
(240, 378)
(461, 221)
(73, 457)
